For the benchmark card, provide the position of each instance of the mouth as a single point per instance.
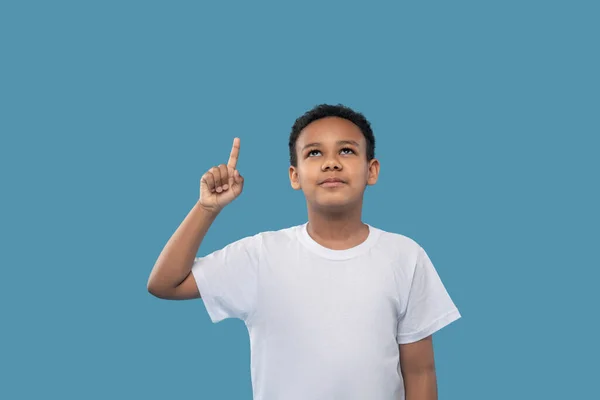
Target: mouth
(332, 182)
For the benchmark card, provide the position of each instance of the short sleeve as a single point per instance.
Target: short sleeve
(428, 308)
(227, 279)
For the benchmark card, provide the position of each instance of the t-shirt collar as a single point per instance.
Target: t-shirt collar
(312, 245)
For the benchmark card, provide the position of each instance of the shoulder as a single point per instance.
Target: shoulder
(280, 234)
(269, 238)
(397, 246)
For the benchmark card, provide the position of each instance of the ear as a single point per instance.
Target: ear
(294, 181)
(373, 173)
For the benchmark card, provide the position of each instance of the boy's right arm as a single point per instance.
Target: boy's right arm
(171, 276)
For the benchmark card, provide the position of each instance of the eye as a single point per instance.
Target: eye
(348, 149)
(312, 152)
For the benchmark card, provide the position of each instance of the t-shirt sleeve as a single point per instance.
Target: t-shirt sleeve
(428, 308)
(227, 279)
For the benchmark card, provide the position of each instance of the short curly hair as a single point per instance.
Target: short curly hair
(329, 110)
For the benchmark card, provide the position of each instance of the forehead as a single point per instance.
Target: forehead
(330, 130)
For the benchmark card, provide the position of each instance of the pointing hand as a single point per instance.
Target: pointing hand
(221, 184)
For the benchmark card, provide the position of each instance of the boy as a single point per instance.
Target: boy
(335, 308)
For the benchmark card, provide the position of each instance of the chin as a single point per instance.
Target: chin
(333, 203)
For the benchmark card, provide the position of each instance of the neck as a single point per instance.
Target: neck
(337, 229)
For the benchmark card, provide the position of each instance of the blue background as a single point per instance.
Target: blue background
(486, 119)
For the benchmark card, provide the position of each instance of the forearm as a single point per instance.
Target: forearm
(177, 257)
(421, 385)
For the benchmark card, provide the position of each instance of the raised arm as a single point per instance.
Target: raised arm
(171, 276)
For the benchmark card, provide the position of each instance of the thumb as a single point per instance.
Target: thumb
(239, 179)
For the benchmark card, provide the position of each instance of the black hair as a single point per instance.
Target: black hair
(328, 110)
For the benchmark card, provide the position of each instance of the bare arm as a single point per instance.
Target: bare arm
(171, 277)
(418, 370)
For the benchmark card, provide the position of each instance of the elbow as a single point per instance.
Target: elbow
(154, 290)
(160, 292)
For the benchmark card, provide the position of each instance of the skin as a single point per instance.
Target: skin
(335, 147)
(418, 370)
(171, 276)
(334, 222)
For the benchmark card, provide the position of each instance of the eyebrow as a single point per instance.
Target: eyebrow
(339, 142)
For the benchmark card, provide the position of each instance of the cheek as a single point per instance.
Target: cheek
(307, 172)
(361, 173)
(357, 168)
(306, 180)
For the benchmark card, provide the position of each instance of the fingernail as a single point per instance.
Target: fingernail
(225, 187)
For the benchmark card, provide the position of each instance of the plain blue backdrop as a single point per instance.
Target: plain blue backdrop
(486, 116)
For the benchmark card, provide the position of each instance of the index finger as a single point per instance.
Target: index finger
(235, 151)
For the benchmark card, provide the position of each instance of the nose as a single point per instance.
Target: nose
(331, 164)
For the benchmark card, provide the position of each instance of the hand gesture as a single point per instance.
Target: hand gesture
(221, 184)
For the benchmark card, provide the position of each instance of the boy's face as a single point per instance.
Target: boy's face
(332, 148)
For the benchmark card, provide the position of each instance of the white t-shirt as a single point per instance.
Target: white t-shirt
(325, 324)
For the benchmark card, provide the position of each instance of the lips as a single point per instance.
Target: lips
(331, 181)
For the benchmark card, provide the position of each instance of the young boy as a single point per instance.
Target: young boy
(335, 308)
